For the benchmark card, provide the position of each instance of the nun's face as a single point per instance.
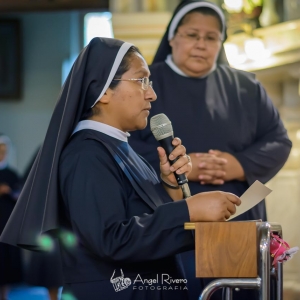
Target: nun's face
(3, 150)
(196, 45)
(130, 104)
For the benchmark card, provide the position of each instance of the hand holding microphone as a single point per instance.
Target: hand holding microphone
(173, 156)
(181, 163)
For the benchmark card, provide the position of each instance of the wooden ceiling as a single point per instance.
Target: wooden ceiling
(48, 5)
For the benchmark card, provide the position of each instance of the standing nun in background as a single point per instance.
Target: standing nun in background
(10, 257)
(119, 224)
(229, 125)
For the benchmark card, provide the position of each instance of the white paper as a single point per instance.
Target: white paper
(254, 194)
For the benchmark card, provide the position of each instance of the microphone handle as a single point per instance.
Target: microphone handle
(166, 143)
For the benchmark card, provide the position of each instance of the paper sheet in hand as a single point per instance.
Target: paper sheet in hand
(254, 194)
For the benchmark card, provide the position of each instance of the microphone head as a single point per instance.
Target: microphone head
(161, 126)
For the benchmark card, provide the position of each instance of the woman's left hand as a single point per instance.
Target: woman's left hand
(183, 164)
(4, 189)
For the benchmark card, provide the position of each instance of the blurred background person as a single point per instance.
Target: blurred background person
(229, 125)
(10, 257)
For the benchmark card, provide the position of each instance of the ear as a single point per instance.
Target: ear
(106, 98)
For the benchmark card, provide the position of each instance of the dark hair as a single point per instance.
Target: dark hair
(204, 11)
(123, 68)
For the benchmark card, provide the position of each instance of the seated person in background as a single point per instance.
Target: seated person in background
(10, 257)
(227, 122)
(88, 182)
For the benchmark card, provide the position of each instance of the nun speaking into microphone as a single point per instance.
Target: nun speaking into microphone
(119, 226)
(229, 125)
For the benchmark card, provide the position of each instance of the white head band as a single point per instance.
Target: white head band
(190, 7)
(121, 53)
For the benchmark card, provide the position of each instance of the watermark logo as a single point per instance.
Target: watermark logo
(120, 283)
(160, 282)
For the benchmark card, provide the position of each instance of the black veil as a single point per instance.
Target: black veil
(37, 209)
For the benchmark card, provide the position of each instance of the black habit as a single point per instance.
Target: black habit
(101, 180)
(230, 111)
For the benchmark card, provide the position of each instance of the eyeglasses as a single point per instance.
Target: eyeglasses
(144, 81)
(209, 40)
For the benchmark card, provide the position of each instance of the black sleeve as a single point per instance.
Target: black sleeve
(269, 152)
(96, 197)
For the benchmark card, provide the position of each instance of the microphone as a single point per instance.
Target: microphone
(162, 130)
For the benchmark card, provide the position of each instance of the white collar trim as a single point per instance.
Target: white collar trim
(104, 128)
(169, 61)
